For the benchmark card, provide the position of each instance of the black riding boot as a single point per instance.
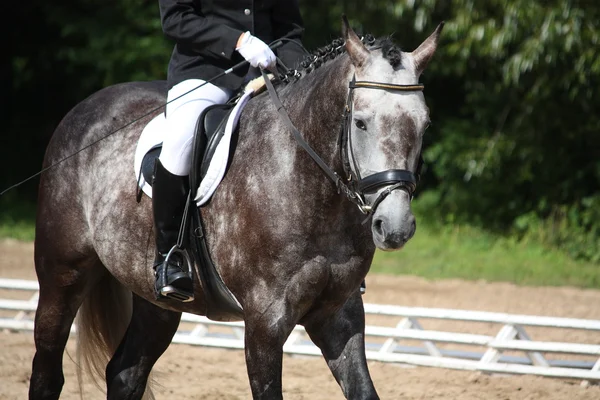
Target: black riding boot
(169, 195)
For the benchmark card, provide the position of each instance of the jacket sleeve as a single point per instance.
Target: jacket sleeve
(181, 23)
(287, 21)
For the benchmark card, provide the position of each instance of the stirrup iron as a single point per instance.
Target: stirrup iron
(170, 291)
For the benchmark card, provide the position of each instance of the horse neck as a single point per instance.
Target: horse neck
(315, 104)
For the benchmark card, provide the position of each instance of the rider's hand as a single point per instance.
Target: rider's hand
(255, 51)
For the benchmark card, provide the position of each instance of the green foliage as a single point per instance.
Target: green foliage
(446, 251)
(116, 41)
(573, 229)
(517, 116)
(17, 218)
(59, 53)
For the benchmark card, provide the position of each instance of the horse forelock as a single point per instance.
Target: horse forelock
(391, 52)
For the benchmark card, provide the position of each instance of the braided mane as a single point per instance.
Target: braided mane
(330, 52)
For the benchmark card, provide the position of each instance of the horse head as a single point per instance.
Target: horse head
(386, 119)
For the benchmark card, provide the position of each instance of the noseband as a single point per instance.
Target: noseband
(354, 187)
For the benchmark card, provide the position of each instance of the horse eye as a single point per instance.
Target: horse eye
(360, 124)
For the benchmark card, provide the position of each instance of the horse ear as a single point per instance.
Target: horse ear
(359, 54)
(425, 51)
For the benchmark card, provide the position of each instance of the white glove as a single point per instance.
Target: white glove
(256, 52)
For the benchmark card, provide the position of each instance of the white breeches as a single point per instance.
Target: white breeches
(181, 118)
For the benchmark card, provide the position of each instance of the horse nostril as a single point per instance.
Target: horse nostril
(378, 226)
(413, 228)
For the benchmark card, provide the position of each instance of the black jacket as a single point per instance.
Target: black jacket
(206, 32)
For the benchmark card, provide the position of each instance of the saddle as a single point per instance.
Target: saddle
(221, 304)
(210, 128)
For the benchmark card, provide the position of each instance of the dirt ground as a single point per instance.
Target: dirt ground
(189, 372)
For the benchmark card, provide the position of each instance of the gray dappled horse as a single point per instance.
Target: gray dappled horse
(289, 247)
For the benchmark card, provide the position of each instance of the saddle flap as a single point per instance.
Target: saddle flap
(148, 163)
(209, 131)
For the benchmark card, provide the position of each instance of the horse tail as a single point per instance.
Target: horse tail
(101, 323)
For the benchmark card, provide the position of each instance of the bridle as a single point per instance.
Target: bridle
(353, 186)
(391, 179)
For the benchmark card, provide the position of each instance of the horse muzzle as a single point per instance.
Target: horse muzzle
(393, 222)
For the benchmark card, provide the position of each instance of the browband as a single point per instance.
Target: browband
(388, 86)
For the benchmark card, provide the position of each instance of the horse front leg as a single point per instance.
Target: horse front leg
(270, 320)
(340, 336)
(264, 357)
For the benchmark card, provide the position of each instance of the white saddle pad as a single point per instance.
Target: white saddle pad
(153, 133)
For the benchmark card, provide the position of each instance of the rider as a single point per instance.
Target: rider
(210, 37)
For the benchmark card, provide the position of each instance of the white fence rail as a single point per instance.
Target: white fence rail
(511, 350)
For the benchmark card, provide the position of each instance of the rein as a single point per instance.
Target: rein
(356, 187)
